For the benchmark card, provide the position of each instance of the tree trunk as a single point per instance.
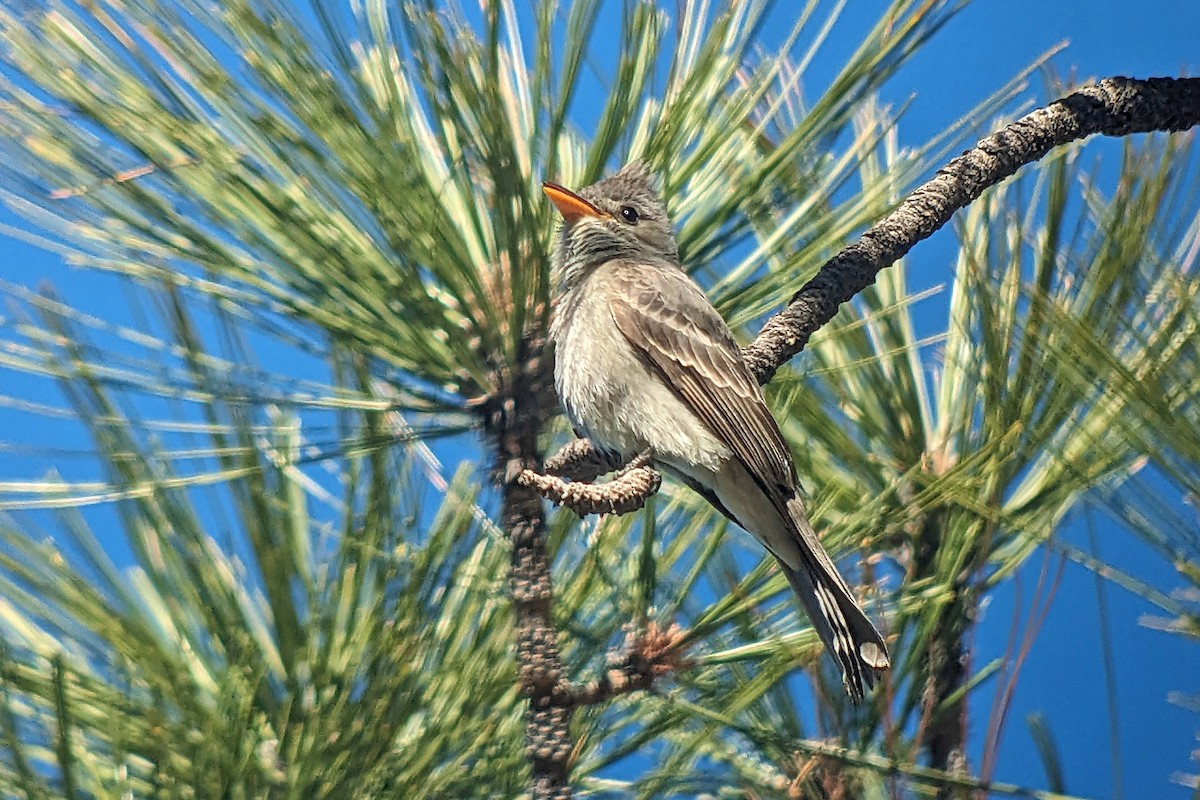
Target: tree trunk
(514, 419)
(945, 734)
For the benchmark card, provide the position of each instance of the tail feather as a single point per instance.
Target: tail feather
(843, 627)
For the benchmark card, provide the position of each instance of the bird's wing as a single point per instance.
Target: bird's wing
(673, 327)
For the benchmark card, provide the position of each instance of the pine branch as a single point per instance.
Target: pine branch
(1112, 107)
(581, 461)
(514, 422)
(628, 491)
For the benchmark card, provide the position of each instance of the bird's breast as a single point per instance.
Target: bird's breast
(612, 396)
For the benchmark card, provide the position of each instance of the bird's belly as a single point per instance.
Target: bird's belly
(614, 399)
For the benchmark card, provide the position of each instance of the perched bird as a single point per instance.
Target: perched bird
(644, 362)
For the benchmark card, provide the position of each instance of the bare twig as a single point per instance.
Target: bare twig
(1113, 107)
(651, 654)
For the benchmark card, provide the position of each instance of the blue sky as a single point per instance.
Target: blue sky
(1063, 679)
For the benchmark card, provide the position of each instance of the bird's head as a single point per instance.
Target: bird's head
(621, 216)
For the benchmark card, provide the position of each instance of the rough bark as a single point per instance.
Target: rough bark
(514, 419)
(1113, 107)
(943, 727)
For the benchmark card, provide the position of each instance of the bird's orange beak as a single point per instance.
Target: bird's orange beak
(570, 205)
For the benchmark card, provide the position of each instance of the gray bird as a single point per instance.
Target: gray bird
(644, 362)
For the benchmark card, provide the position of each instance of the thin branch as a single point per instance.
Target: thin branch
(651, 654)
(918, 774)
(628, 491)
(1113, 107)
(552, 697)
(581, 461)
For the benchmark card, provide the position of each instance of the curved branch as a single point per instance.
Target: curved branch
(579, 460)
(1113, 107)
(626, 492)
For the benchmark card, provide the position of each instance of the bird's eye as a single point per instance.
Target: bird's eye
(629, 214)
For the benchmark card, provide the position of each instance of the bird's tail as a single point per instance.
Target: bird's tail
(842, 625)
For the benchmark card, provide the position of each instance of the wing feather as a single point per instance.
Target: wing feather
(672, 325)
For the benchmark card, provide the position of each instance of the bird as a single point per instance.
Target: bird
(643, 362)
